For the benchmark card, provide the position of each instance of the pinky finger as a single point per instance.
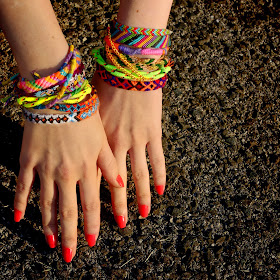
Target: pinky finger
(157, 160)
(24, 185)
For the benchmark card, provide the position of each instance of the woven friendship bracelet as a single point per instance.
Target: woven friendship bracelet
(122, 62)
(141, 41)
(76, 81)
(128, 84)
(140, 37)
(61, 118)
(68, 86)
(139, 30)
(63, 74)
(62, 77)
(128, 71)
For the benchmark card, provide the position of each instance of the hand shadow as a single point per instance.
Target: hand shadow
(28, 228)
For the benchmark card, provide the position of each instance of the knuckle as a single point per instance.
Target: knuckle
(90, 207)
(22, 187)
(18, 203)
(155, 133)
(160, 177)
(144, 197)
(158, 161)
(51, 226)
(25, 161)
(111, 164)
(137, 139)
(139, 175)
(68, 213)
(86, 170)
(47, 204)
(65, 171)
(45, 169)
(120, 205)
(69, 240)
(118, 140)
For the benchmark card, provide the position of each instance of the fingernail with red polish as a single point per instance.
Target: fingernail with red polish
(120, 221)
(17, 215)
(160, 189)
(91, 240)
(51, 240)
(144, 210)
(120, 181)
(67, 254)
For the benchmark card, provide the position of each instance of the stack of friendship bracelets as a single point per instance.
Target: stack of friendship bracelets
(119, 64)
(66, 91)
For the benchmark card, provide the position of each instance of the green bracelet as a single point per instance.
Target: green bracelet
(116, 72)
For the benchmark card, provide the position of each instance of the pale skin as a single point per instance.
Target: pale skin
(132, 120)
(65, 154)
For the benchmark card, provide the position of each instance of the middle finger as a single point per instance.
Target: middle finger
(141, 178)
(48, 203)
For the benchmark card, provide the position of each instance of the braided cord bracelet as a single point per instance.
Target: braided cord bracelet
(115, 71)
(132, 72)
(71, 108)
(78, 95)
(142, 64)
(136, 51)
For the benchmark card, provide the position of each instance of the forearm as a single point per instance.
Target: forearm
(34, 35)
(144, 13)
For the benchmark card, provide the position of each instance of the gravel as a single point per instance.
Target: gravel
(219, 217)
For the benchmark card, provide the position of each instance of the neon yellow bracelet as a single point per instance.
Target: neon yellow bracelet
(77, 96)
(115, 71)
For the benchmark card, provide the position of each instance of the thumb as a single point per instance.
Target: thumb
(109, 168)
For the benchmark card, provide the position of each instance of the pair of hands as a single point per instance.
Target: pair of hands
(64, 155)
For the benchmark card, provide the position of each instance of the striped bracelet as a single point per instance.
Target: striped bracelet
(65, 73)
(140, 37)
(76, 81)
(141, 41)
(139, 30)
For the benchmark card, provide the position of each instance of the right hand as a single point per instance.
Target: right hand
(64, 155)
